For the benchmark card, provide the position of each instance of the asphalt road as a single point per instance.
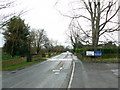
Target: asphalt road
(95, 75)
(52, 73)
(63, 71)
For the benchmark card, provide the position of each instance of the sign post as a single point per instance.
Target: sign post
(97, 53)
(93, 53)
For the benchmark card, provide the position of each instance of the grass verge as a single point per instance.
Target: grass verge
(98, 60)
(24, 64)
(6, 56)
(102, 60)
(21, 65)
(54, 55)
(111, 60)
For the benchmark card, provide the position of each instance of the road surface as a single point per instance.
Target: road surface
(63, 71)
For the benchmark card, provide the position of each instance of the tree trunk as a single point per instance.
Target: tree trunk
(29, 57)
(12, 49)
(95, 25)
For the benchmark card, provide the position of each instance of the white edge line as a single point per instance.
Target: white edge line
(71, 78)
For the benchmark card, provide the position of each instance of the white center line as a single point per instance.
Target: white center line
(70, 82)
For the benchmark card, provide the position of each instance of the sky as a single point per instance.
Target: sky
(43, 14)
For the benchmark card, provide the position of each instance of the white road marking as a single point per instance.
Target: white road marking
(57, 73)
(61, 68)
(70, 82)
(69, 59)
(56, 70)
(115, 72)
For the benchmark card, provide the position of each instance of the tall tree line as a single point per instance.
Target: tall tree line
(21, 40)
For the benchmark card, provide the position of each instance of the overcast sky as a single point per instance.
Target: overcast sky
(42, 14)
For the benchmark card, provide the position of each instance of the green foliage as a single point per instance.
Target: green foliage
(53, 55)
(110, 59)
(6, 56)
(59, 48)
(99, 59)
(79, 50)
(23, 64)
(109, 50)
(16, 37)
(110, 55)
(106, 52)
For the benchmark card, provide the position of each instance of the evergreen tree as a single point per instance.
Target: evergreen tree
(16, 37)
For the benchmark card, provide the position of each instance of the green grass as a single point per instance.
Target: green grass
(6, 56)
(101, 60)
(24, 64)
(110, 59)
(52, 55)
(15, 66)
(98, 59)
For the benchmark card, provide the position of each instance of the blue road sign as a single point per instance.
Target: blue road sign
(97, 53)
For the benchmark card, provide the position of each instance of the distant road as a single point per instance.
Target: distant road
(63, 71)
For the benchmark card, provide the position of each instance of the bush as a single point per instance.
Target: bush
(6, 56)
(110, 55)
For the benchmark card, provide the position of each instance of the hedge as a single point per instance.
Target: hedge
(17, 61)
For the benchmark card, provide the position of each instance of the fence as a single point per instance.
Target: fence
(10, 62)
(13, 61)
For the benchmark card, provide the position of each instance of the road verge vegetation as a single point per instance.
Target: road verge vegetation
(98, 59)
(12, 64)
(21, 65)
(52, 55)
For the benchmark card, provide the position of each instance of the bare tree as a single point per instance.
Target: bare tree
(100, 15)
(39, 39)
(6, 12)
(5, 4)
(75, 35)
